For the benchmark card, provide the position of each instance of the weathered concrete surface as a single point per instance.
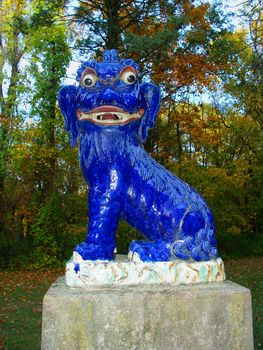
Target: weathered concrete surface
(198, 317)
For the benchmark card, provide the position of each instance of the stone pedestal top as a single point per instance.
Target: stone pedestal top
(212, 316)
(80, 273)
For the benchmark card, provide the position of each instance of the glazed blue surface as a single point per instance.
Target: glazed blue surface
(110, 113)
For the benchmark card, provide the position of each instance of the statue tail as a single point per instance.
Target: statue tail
(202, 247)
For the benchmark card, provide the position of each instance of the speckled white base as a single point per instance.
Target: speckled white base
(80, 273)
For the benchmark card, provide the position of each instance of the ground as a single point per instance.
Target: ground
(22, 293)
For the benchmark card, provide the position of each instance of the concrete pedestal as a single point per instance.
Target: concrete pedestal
(196, 317)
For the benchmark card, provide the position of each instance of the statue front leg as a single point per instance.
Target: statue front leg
(104, 211)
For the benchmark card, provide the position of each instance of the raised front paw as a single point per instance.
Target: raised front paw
(149, 251)
(89, 251)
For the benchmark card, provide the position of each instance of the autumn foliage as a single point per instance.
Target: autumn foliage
(208, 132)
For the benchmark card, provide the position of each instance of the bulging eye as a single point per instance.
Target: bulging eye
(128, 77)
(89, 80)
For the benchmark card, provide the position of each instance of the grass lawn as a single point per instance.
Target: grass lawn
(249, 273)
(22, 294)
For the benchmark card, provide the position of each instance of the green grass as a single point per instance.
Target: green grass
(21, 307)
(22, 293)
(249, 273)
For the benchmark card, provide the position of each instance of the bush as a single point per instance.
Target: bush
(46, 251)
(237, 246)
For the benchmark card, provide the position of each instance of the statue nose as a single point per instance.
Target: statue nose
(109, 97)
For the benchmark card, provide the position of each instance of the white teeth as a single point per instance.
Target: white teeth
(98, 118)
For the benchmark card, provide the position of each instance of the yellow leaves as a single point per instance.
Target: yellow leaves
(223, 193)
(234, 230)
(11, 9)
(42, 155)
(22, 149)
(241, 175)
(76, 229)
(11, 13)
(195, 123)
(14, 5)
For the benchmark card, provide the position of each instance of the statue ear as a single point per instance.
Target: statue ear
(150, 101)
(67, 103)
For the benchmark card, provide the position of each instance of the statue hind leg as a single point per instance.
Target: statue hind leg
(196, 239)
(192, 239)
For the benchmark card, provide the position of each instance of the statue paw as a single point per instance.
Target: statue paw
(90, 251)
(149, 251)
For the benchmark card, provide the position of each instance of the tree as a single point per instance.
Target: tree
(186, 47)
(105, 23)
(46, 52)
(29, 137)
(13, 28)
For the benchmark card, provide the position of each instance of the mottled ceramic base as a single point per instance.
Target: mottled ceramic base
(80, 273)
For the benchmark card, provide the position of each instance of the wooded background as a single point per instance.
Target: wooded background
(208, 132)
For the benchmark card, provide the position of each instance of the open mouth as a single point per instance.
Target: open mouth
(109, 115)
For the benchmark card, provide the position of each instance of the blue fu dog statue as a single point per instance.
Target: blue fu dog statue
(111, 113)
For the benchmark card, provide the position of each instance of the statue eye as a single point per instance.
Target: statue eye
(89, 80)
(128, 76)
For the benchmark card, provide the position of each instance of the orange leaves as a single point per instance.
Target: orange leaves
(88, 6)
(185, 69)
(196, 14)
(193, 68)
(172, 36)
(8, 122)
(183, 58)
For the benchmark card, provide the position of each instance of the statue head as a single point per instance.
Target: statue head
(109, 95)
